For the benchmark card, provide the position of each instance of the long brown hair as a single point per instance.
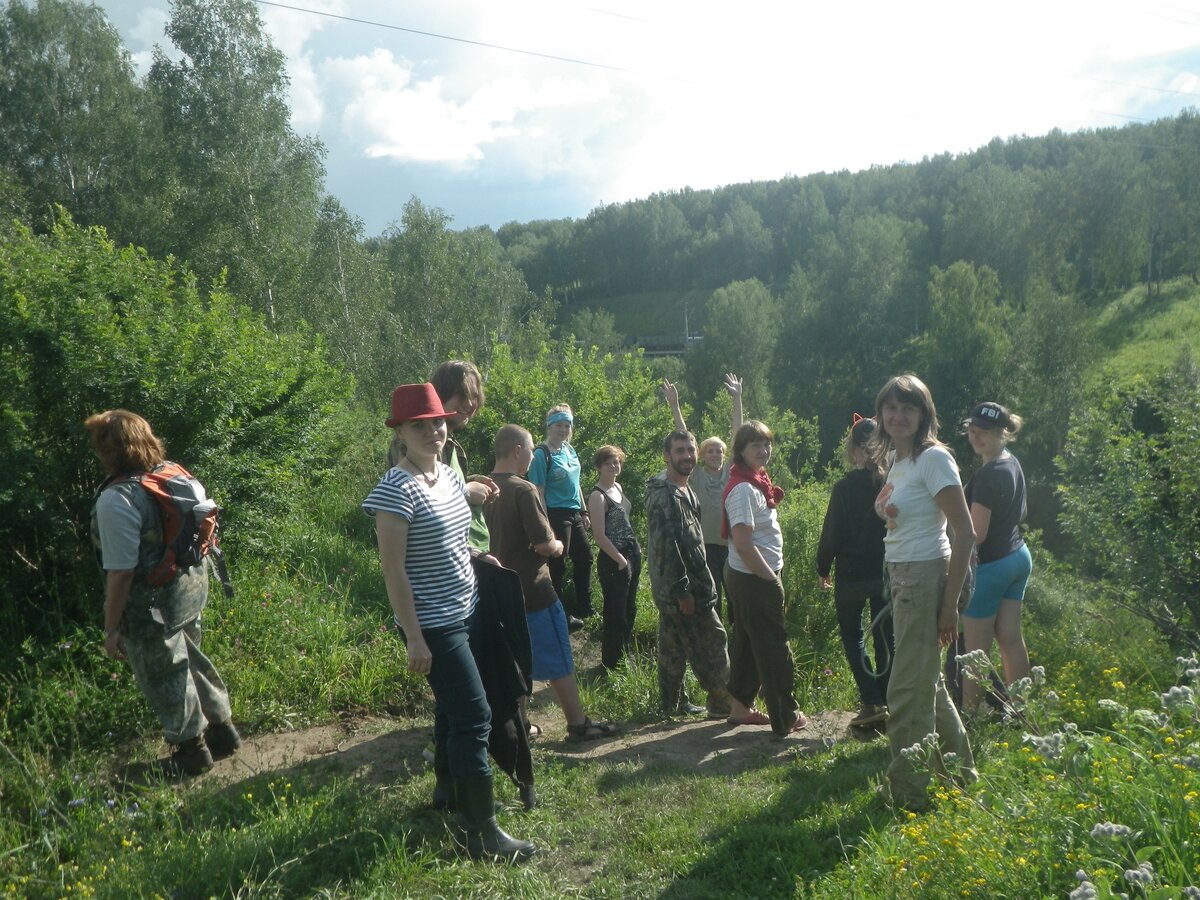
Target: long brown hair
(906, 388)
(124, 441)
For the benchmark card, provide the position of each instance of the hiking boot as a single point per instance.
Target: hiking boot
(476, 819)
(870, 714)
(222, 739)
(688, 708)
(188, 758)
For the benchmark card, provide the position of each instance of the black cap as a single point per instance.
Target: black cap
(988, 415)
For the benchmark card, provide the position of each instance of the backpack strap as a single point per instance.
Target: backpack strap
(546, 451)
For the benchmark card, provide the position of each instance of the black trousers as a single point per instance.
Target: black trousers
(568, 528)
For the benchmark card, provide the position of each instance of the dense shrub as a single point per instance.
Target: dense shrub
(1131, 490)
(85, 326)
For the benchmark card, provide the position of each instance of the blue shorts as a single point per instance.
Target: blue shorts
(1000, 579)
(550, 642)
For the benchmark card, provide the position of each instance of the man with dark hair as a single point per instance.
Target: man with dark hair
(688, 627)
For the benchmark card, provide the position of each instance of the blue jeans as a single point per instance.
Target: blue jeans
(462, 718)
(849, 598)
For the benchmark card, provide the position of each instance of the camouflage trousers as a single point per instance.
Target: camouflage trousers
(699, 639)
(176, 678)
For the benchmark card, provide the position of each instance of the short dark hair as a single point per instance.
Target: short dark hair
(508, 439)
(674, 436)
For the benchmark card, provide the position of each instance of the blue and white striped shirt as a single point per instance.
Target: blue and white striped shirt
(438, 560)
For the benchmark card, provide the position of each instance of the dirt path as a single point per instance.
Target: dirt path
(381, 751)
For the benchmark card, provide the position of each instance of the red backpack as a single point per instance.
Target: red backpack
(189, 520)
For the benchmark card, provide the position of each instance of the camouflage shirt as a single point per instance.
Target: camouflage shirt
(675, 546)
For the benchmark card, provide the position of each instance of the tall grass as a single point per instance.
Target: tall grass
(307, 639)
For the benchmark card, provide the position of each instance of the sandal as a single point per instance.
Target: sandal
(754, 717)
(587, 730)
(800, 722)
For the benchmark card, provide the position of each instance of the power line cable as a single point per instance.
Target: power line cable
(460, 40)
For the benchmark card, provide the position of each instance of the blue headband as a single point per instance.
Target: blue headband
(560, 415)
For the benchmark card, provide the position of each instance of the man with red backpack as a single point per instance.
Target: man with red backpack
(154, 550)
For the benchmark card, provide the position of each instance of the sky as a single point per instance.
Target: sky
(545, 109)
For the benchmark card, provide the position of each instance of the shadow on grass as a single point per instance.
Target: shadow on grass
(323, 820)
(795, 838)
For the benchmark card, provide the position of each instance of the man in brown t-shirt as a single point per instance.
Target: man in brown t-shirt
(522, 539)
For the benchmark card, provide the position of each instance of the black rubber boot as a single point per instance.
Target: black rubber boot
(188, 758)
(482, 837)
(222, 739)
(443, 790)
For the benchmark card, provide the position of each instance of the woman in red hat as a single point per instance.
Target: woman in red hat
(422, 520)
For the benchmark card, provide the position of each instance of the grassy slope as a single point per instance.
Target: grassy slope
(1141, 335)
(302, 643)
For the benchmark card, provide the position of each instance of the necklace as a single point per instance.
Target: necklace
(430, 479)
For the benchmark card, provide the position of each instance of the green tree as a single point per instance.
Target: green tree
(85, 326)
(1131, 488)
(69, 110)
(596, 329)
(453, 295)
(964, 354)
(740, 336)
(242, 190)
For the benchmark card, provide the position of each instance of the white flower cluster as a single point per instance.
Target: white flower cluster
(921, 750)
(1143, 875)
(1086, 890)
(1118, 709)
(1179, 697)
(1038, 673)
(1191, 892)
(1111, 829)
(1050, 746)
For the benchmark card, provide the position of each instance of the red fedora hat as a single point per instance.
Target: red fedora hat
(415, 401)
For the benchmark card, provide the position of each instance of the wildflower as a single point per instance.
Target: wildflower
(1110, 829)
(43, 812)
(1191, 892)
(76, 803)
(1112, 706)
(1187, 662)
(1021, 686)
(110, 803)
(1085, 891)
(1038, 674)
(65, 645)
(1192, 762)
(1050, 746)
(1178, 697)
(1143, 875)
(1051, 698)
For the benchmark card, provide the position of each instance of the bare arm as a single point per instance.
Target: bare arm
(596, 508)
(953, 504)
(392, 533)
(743, 542)
(981, 518)
(117, 585)
(733, 384)
(671, 393)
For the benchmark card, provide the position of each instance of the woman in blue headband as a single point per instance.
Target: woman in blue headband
(555, 471)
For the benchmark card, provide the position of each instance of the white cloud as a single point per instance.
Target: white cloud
(392, 114)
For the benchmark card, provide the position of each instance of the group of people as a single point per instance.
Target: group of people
(901, 520)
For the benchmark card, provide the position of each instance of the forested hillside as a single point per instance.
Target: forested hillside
(982, 271)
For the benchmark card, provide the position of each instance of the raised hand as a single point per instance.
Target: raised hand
(733, 384)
